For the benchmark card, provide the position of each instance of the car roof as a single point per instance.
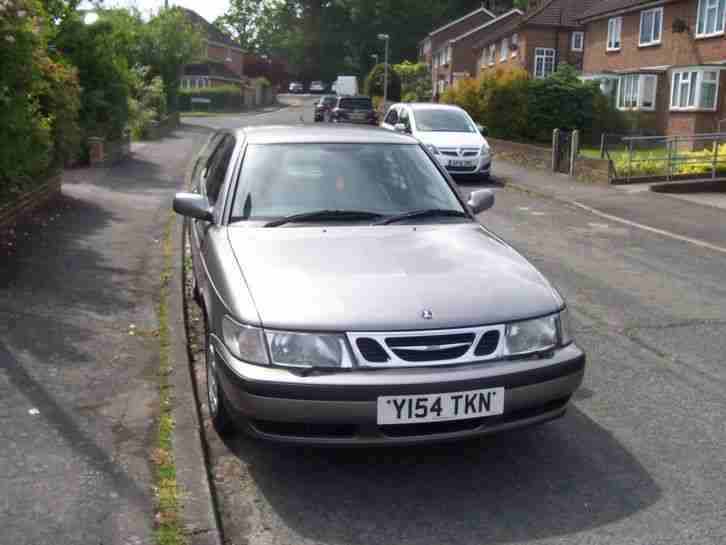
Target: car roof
(316, 134)
(428, 106)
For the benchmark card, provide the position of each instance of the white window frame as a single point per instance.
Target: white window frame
(615, 30)
(573, 43)
(630, 95)
(678, 83)
(544, 53)
(515, 41)
(504, 53)
(492, 54)
(652, 40)
(703, 9)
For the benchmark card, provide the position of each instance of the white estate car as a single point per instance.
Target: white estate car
(448, 132)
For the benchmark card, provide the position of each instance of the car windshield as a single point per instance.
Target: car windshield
(356, 104)
(443, 120)
(279, 180)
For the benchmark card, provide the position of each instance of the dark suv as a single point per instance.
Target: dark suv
(324, 106)
(354, 109)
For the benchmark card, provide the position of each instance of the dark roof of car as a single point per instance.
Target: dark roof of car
(318, 134)
(355, 96)
(604, 7)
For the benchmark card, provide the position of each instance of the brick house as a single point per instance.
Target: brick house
(663, 62)
(222, 59)
(545, 36)
(436, 49)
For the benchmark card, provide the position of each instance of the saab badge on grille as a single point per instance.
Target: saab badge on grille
(427, 314)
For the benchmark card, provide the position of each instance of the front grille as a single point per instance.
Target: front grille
(460, 152)
(450, 153)
(371, 350)
(488, 343)
(421, 348)
(431, 348)
(461, 169)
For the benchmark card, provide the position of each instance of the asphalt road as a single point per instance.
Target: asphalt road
(638, 460)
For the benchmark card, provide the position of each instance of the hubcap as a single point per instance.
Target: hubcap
(212, 387)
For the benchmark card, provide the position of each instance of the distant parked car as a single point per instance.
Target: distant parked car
(324, 106)
(317, 87)
(354, 109)
(297, 87)
(351, 297)
(448, 132)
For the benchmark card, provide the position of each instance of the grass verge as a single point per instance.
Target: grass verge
(168, 527)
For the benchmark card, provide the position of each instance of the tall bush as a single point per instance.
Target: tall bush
(415, 81)
(38, 100)
(224, 97)
(375, 81)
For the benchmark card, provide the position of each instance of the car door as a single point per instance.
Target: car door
(211, 181)
(389, 122)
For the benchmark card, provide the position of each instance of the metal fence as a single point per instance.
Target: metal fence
(665, 158)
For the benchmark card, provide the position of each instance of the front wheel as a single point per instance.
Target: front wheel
(221, 418)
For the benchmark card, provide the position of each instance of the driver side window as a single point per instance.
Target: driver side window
(392, 117)
(217, 168)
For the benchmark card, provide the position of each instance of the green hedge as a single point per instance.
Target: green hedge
(514, 106)
(224, 97)
(374, 83)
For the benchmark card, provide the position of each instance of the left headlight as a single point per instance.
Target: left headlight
(308, 349)
(484, 149)
(536, 335)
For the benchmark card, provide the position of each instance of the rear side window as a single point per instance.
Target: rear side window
(218, 165)
(355, 104)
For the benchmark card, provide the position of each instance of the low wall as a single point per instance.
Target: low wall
(104, 152)
(526, 155)
(592, 171)
(26, 203)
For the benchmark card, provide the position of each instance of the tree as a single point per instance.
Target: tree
(169, 42)
(416, 83)
(375, 81)
(241, 21)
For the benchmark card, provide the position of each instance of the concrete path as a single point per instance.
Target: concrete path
(79, 355)
(687, 219)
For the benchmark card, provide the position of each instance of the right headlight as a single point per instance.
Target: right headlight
(433, 149)
(529, 336)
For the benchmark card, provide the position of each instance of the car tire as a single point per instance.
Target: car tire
(221, 419)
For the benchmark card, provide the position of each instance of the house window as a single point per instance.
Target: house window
(637, 92)
(694, 90)
(505, 50)
(651, 27)
(492, 53)
(578, 41)
(615, 28)
(544, 62)
(711, 18)
(515, 44)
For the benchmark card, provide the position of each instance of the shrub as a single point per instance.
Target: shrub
(38, 101)
(224, 97)
(415, 81)
(147, 103)
(374, 82)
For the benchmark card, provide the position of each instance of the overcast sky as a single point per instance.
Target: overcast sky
(209, 9)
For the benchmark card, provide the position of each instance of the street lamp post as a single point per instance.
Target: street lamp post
(386, 38)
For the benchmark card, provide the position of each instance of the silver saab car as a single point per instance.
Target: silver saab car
(352, 298)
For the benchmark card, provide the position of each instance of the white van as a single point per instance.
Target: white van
(346, 85)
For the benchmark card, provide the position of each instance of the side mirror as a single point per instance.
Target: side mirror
(192, 205)
(484, 131)
(481, 200)
(400, 127)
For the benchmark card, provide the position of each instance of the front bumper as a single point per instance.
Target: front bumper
(481, 169)
(340, 408)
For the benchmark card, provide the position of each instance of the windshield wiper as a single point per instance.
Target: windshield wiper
(430, 212)
(322, 215)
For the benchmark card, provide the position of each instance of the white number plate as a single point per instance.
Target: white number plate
(460, 163)
(440, 407)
